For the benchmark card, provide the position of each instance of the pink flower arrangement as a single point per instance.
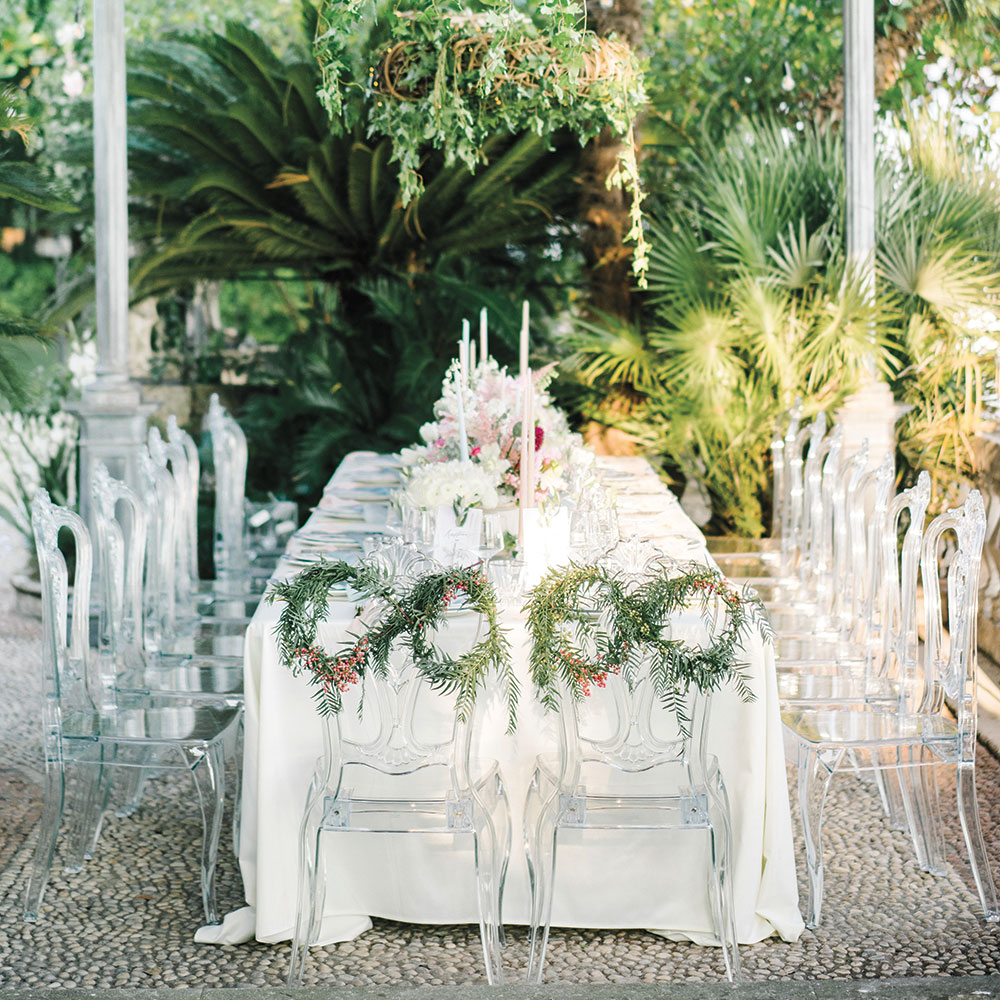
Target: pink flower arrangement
(491, 402)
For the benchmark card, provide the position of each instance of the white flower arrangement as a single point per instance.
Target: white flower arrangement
(451, 483)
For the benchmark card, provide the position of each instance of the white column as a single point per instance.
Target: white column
(112, 416)
(111, 192)
(870, 412)
(859, 132)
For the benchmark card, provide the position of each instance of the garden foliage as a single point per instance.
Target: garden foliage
(752, 303)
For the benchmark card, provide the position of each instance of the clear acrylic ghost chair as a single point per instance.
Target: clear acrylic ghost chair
(623, 764)
(229, 458)
(121, 525)
(811, 613)
(168, 633)
(793, 580)
(91, 729)
(216, 598)
(121, 530)
(398, 561)
(889, 651)
(864, 499)
(405, 767)
(633, 558)
(198, 597)
(768, 550)
(236, 564)
(855, 573)
(801, 657)
(173, 457)
(178, 438)
(795, 511)
(914, 735)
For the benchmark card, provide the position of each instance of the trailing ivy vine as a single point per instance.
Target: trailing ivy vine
(585, 623)
(450, 78)
(407, 615)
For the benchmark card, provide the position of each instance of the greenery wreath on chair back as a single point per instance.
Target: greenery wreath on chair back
(449, 77)
(586, 622)
(412, 611)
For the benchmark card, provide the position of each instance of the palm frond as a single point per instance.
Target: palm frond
(681, 271)
(21, 181)
(611, 351)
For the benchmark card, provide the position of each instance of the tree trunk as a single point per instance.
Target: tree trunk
(604, 212)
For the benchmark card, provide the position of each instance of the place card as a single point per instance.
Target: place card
(457, 544)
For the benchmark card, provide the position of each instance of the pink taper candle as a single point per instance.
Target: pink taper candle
(522, 500)
(463, 377)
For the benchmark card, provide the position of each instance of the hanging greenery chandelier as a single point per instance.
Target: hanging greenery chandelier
(445, 77)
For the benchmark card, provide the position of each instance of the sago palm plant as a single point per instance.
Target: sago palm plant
(239, 173)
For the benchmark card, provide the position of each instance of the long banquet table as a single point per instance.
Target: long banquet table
(643, 879)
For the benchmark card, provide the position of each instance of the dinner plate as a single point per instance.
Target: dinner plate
(364, 494)
(322, 541)
(625, 495)
(340, 510)
(303, 560)
(676, 540)
(375, 477)
(345, 529)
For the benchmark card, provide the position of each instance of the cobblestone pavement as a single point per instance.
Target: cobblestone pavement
(128, 919)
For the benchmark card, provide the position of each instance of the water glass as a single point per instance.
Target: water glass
(375, 514)
(507, 577)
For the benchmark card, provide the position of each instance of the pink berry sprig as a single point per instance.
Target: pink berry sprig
(338, 672)
(584, 673)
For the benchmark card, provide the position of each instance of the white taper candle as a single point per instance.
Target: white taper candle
(466, 335)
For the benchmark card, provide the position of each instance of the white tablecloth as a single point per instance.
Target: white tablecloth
(612, 880)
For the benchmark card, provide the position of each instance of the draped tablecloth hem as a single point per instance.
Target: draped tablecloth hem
(762, 929)
(239, 927)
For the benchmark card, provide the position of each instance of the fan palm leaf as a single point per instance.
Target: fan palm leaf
(948, 278)
(613, 352)
(681, 270)
(767, 316)
(699, 356)
(799, 254)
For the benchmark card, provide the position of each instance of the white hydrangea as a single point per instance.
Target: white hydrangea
(454, 484)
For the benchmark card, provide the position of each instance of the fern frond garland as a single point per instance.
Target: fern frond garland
(585, 623)
(406, 616)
